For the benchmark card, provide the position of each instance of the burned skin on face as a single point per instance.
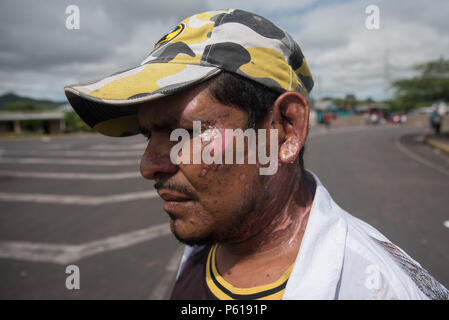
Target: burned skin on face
(221, 197)
(254, 218)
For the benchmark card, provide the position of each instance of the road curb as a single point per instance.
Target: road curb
(439, 145)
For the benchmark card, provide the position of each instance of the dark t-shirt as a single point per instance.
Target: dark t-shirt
(191, 284)
(200, 280)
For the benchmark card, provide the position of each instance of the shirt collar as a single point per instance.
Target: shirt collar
(318, 265)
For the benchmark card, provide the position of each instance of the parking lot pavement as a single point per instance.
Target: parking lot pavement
(81, 201)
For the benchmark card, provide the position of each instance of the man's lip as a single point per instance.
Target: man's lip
(172, 196)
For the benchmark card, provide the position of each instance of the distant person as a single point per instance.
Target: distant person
(327, 119)
(436, 118)
(380, 116)
(374, 118)
(248, 235)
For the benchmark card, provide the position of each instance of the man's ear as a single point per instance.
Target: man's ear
(291, 118)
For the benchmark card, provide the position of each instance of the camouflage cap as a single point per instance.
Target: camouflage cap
(193, 51)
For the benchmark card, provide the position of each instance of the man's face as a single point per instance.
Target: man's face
(206, 203)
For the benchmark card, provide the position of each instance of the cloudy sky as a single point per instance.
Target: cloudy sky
(39, 55)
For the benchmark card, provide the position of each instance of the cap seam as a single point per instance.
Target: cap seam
(291, 52)
(211, 34)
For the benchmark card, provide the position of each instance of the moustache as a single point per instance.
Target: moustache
(175, 187)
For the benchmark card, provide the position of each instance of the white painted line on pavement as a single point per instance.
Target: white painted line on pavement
(319, 131)
(54, 146)
(71, 153)
(65, 253)
(76, 199)
(70, 175)
(160, 292)
(83, 162)
(418, 158)
(137, 146)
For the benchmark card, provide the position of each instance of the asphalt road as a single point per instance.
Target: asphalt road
(80, 201)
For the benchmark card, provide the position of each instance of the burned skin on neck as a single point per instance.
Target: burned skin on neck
(270, 248)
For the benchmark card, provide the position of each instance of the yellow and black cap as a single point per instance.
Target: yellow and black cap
(195, 50)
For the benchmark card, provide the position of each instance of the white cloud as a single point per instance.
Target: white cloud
(262, 6)
(114, 35)
(345, 57)
(38, 56)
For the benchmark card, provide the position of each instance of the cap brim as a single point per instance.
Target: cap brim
(110, 105)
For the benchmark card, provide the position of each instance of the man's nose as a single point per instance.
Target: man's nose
(156, 158)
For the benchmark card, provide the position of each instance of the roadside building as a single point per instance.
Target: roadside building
(53, 122)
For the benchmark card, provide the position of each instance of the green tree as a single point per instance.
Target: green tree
(23, 105)
(432, 84)
(74, 123)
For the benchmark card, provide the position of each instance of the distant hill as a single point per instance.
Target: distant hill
(13, 102)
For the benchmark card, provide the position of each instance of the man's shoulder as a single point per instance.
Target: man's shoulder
(375, 268)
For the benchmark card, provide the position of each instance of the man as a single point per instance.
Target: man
(435, 119)
(249, 235)
(327, 119)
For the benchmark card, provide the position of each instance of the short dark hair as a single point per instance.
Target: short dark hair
(252, 97)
